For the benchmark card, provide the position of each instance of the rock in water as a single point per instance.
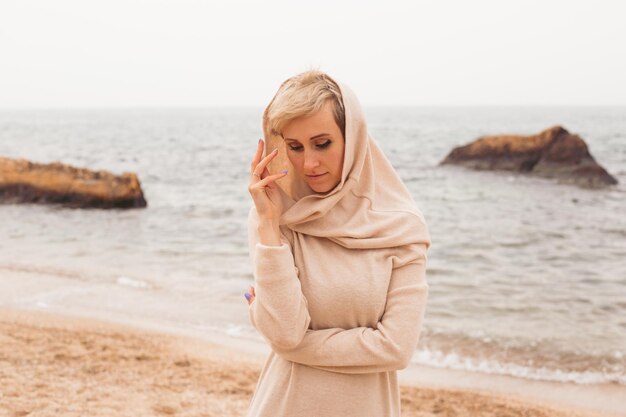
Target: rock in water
(22, 181)
(553, 153)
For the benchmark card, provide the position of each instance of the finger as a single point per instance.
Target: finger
(257, 154)
(265, 181)
(259, 168)
(252, 291)
(265, 173)
(259, 171)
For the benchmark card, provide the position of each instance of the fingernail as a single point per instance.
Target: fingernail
(260, 140)
(275, 149)
(247, 296)
(284, 171)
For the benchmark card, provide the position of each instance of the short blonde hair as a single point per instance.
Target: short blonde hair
(302, 95)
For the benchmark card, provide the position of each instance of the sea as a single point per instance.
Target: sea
(527, 276)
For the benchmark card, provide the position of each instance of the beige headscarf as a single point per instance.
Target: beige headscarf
(370, 208)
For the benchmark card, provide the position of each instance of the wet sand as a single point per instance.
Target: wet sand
(60, 365)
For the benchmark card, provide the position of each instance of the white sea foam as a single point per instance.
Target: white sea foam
(133, 282)
(455, 361)
(234, 330)
(50, 298)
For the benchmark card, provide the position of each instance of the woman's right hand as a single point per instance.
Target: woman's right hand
(262, 188)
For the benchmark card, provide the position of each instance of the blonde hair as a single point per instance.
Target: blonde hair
(303, 95)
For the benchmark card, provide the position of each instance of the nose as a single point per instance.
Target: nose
(310, 161)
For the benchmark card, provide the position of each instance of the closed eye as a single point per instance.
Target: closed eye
(321, 146)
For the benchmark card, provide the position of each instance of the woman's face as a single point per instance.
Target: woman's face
(315, 146)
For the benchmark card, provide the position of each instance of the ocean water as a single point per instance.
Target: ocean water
(527, 277)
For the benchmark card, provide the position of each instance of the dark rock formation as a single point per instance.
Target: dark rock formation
(553, 153)
(22, 181)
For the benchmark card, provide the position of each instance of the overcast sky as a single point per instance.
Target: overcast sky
(110, 53)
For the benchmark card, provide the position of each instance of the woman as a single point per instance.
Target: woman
(338, 248)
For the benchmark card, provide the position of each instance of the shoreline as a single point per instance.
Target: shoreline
(64, 364)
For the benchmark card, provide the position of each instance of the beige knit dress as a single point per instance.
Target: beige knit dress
(341, 302)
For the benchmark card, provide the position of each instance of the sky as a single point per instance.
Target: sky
(183, 53)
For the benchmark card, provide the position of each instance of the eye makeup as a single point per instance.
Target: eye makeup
(320, 146)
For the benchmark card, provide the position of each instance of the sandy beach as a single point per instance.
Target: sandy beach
(61, 365)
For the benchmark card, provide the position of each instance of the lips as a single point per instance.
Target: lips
(316, 177)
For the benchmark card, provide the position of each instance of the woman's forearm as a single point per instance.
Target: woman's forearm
(269, 232)
(279, 310)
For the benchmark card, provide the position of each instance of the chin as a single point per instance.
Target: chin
(319, 188)
(320, 191)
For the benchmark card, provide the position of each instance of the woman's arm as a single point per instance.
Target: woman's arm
(279, 310)
(363, 349)
(268, 233)
(280, 313)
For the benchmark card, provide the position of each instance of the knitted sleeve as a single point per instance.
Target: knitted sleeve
(280, 314)
(388, 347)
(279, 310)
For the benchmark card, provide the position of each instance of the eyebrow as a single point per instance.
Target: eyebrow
(312, 137)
